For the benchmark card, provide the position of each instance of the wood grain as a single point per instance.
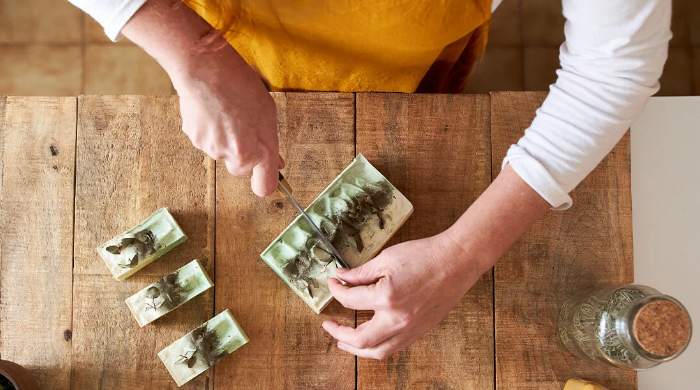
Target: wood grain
(288, 349)
(587, 245)
(434, 149)
(37, 161)
(132, 158)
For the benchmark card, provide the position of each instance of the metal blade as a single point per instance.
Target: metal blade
(315, 228)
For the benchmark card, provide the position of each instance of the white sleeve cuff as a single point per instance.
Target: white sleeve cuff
(120, 17)
(537, 177)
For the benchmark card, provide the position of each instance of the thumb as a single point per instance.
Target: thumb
(265, 175)
(367, 273)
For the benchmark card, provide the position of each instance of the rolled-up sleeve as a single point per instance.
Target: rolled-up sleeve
(611, 62)
(111, 14)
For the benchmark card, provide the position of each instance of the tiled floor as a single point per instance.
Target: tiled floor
(534, 29)
(64, 52)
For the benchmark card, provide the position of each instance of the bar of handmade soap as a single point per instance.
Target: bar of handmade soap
(168, 293)
(203, 347)
(139, 246)
(358, 212)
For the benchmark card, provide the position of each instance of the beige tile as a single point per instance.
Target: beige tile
(540, 64)
(40, 70)
(500, 70)
(39, 21)
(505, 29)
(679, 22)
(115, 69)
(677, 79)
(695, 70)
(95, 33)
(543, 22)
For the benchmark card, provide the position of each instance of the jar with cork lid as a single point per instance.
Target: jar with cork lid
(633, 327)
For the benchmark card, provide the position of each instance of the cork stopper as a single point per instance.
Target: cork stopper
(662, 328)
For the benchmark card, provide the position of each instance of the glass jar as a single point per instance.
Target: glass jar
(632, 326)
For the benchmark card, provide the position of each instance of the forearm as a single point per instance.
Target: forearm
(504, 212)
(177, 37)
(611, 62)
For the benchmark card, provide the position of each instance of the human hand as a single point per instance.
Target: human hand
(410, 287)
(226, 110)
(228, 113)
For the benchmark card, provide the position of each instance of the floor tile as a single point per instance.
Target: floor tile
(95, 33)
(39, 21)
(40, 70)
(696, 71)
(500, 70)
(677, 79)
(115, 69)
(505, 29)
(540, 65)
(543, 22)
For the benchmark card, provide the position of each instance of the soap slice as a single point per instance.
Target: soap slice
(203, 347)
(358, 212)
(168, 293)
(136, 248)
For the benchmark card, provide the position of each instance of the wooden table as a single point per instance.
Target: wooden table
(77, 171)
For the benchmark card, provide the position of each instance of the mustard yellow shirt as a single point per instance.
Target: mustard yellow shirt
(355, 45)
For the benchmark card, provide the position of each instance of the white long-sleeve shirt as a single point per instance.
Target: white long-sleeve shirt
(611, 62)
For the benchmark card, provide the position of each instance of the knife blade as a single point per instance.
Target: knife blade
(285, 190)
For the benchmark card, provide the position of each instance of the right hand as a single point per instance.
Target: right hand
(228, 113)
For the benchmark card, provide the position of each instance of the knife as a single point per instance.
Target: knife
(286, 191)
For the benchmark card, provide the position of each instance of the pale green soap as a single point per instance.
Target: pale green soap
(169, 293)
(186, 358)
(166, 234)
(332, 201)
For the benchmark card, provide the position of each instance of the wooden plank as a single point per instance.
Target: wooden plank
(288, 349)
(434, 149)
(132, 158)
(587, 245)
(37, 163)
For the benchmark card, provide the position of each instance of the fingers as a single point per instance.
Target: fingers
(237, 170)
(367, 273)
(356, 298)
(367, 335)
(265, 176)
(282, 164)
(380, 352)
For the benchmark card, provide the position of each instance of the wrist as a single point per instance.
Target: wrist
(465, 255)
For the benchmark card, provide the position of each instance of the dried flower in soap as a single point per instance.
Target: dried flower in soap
(187, 357)
(113, 249)
(167, 292)
(143, 243)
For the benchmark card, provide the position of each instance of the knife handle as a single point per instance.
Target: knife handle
(283, 182)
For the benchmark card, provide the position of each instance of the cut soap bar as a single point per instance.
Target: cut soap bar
(137, 247)
(358, 212)
(203, 347)
(168, 293)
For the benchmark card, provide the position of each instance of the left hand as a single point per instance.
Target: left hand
(410, 287)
